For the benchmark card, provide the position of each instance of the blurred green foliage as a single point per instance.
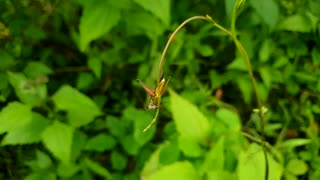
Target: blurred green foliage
(70, 108)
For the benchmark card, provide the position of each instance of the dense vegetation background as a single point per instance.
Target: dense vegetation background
(71, 109)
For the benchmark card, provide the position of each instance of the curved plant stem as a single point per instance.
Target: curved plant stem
(171, 39)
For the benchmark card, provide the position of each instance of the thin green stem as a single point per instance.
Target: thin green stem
(171, 39)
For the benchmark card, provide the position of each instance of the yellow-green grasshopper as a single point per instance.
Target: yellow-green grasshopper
(155, 97)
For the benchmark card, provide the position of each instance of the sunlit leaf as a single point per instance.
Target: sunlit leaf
(14, 116)
(58, 139)
(296, 23)
(252, 165)
(190, 122)
(264, 8)
(98, 18)
(297, 167)
(161, 9)
(29, 133)
(80, 109)
(176, 171)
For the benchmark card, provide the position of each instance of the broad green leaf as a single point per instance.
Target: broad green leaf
(95, 64)
(97, 168)
(160, 8)
(35, 69)
(214, 159)
(118, 161)
(229, 118)
(190, 122)
(153, 164)
(296, 23)
(297, 167)
(251, 165)
(29, 133)
(58, 139)
(80, 109)
(28, 91)
(100, 143)
(292, 143)
(189, 147)
(98, 18)
(14, 116)
(268, 10)
(169, 153)
(176, 171)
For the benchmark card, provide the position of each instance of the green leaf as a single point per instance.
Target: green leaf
(85, 81)
(251, 165)
(292, 143)
(263, 8)
(97, 168)
(147, 25)
(67, 170)
(29, 133)
(238, 64)
(95, 64)
(297, 167)
(28, 91)
(229, 118)
(176, 171)
(42, 161)
(266, 75)
(169, 153)
(41, 175)
(130, 145)
(296, 23)
(58, 139)
(98, 18)
(214, 159)
(80, 109)
(35, 69)
(118, 161)
(78, 144)
(189, 147)
(266, 50)
(14, 116)
(190, 122)
(100, 143)
(160, 8)
(245, 86)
